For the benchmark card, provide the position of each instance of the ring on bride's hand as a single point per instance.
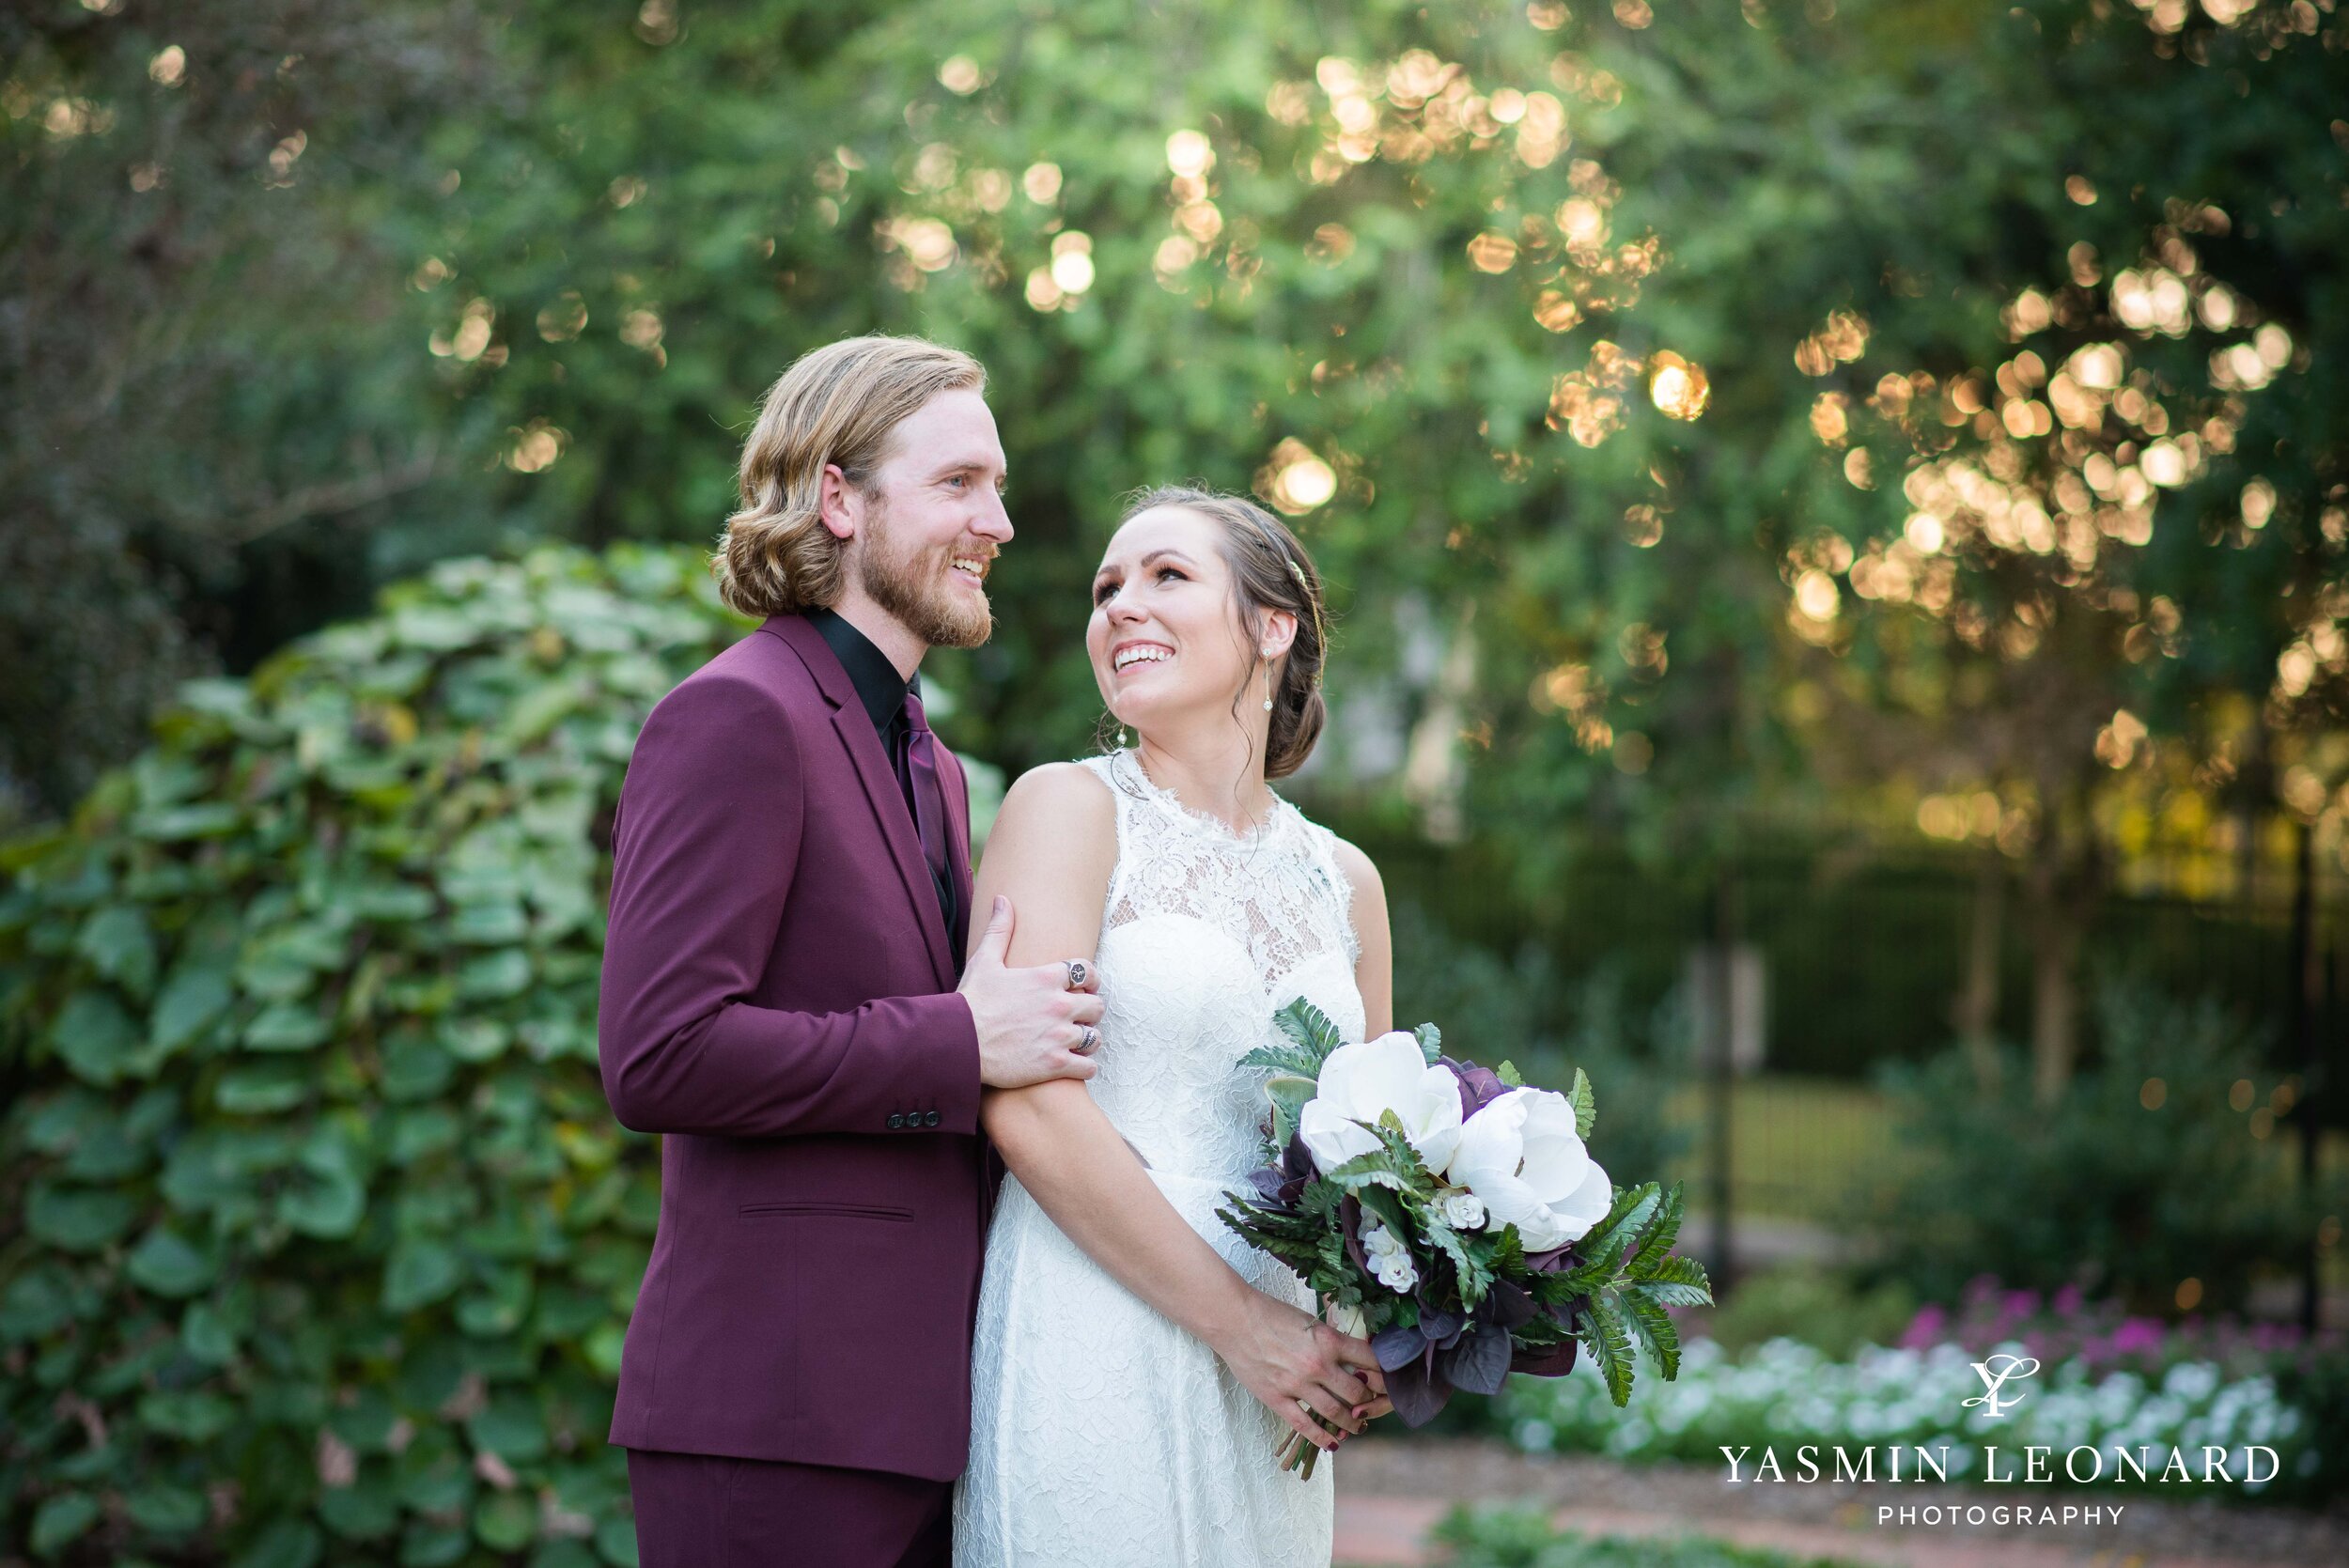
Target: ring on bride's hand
(1075, 972)
(1085, 1042)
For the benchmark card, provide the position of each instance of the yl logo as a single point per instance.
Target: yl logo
(1994, 1379)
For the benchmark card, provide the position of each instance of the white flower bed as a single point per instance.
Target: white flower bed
(1785, 1393)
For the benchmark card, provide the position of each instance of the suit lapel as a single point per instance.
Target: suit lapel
(855, 728)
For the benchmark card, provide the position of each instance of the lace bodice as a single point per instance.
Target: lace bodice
(1204, 932)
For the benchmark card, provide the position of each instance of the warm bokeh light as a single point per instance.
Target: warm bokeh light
(1815, 595)
(1295, 479)
(1840, 340)
(1492, 253)
(1680, 389)
(1189, 155)
(1072, 261)
(1041, 183)
(536, 446)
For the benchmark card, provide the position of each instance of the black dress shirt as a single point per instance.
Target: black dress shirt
(882, 690)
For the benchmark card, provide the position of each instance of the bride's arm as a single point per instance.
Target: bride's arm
(1373, 971)
(1051, 850)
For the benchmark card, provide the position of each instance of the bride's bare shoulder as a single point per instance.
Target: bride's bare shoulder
(1063, 786)
(1067, 800)
(1360, 872)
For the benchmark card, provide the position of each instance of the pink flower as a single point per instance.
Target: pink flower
(1925, 1329)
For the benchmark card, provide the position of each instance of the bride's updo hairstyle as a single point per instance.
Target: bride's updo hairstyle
(1269, 570)
(840, 404)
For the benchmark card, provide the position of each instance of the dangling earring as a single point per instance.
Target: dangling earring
(1267, 682)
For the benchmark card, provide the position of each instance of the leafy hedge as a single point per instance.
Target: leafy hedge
(2151, 1168)
(317, 1238)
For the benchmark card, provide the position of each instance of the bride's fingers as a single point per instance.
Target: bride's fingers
(1382, 1405)
(1334, 1411)
(1303, 1424)
(1350, 1390)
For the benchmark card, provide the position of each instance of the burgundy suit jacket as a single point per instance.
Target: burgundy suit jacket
(778, 1000)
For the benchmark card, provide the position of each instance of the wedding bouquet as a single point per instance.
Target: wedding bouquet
(1453, 1216)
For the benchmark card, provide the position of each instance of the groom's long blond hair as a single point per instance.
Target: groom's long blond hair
(836, 405)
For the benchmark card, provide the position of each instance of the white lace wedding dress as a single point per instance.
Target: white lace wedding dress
(1101, 1435)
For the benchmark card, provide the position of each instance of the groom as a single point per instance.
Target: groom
(790, 886)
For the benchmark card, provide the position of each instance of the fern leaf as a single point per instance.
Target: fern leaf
(1309, 1028)
(1675, 1281)
(1610, 1344)
(1655, 1239)
(1657, 1330)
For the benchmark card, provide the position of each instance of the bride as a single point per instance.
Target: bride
(1136, 1364)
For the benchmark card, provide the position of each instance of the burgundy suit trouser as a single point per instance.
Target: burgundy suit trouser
(704, 1511)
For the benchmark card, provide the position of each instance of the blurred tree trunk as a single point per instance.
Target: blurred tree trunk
(2066, 879)
(1976, 1012)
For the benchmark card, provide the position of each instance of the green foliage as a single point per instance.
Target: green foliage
(1310, 1038)
(1524, 1538)
(2145, 1174)
(319, 1195)
(217, 371)
(1628, 1276)
(1821, 1307)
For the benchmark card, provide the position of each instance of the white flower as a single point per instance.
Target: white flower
(1521, 1156)
(1462, 1211)
(1361, 1081)
(1389, 1256)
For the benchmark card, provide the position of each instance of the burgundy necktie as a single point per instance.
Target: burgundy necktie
(930, 796)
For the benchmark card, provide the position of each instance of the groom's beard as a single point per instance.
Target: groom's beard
(916, 588)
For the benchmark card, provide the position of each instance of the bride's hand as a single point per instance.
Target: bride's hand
(1291, 1360)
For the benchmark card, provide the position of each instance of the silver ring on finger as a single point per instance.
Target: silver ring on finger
(1085, 1042)
(1077, 973)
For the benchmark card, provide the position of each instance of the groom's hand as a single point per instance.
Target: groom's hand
(1032, 1024)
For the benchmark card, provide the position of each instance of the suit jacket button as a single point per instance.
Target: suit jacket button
(930, 1120)
(896, 1121)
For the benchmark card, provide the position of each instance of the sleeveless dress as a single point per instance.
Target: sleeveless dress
(1102, 1436)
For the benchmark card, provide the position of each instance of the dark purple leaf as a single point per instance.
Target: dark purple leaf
(1350, 1225)
(1296, 1161)
(1506, 1305)
(1480, 1363)
(1441, 1327)
(1398, 1347)
(1417, 1392)
(1553, 1362)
